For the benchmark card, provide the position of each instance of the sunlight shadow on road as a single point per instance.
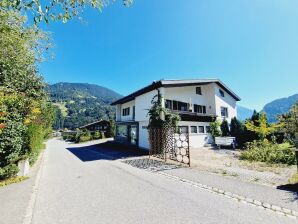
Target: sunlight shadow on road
(105, 151)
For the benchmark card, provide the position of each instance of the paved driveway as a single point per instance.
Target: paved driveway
(84, 184)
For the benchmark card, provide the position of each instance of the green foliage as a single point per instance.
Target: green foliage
(8, 171)
(85, 136)
(224, 127)
(25, 117)
(264, 151)
(55, 10)
(111, 130)
(238, 131)
(159, 116)
(12, 180)
(97, 135)
(215, 129)
(82, 103)
(261, 126)
(290, 124)
(11, 141)
(35, 138)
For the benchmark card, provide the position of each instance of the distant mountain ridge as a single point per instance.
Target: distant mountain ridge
(81, 103)
(244, 113)
(279, 106)
(62, 89)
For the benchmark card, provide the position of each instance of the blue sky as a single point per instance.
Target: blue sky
(251, 45)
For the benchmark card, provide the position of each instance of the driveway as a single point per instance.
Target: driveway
(90, 184)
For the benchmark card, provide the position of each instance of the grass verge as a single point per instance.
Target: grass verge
(12, 180)
(294, 179)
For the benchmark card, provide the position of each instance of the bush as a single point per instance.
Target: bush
(264, 151)
(11, 143)
(69, 137)
(8, 171)
(35, 138)
(97, 135)
(83, 136)
(224, 127)
(215, 129)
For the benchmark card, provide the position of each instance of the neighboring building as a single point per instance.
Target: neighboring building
(101, 125)
(197, 101)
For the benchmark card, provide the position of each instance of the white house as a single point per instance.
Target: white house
(197, 101)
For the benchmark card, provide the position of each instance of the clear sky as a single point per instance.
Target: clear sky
(251, 45)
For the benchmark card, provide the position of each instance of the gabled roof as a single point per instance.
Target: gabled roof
(94, 123)
(175, 83)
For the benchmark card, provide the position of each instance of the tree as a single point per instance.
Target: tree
(237, 131)
(215, 129)
(55, 10)
(21, 48)
(25, 115)
(263, 129)
(160, 116)
(224, 127)
(290, 124)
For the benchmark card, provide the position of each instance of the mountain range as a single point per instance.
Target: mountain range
(279, 106)
(81, 103)
(272, 109)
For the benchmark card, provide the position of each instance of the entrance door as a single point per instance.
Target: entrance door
(133, 134)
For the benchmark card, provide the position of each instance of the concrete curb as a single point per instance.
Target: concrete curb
(30, 208)
(262, 205)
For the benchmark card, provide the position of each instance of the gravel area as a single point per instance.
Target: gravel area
(226, 162)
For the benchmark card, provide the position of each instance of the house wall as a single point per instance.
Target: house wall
(188, 93)
(143, 135)
(226, 101)
(123, 106)
(197, 140)
(143, 104)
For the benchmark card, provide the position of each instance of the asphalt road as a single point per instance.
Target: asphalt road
(79, 185)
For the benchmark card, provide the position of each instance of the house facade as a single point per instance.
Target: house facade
(197, 101)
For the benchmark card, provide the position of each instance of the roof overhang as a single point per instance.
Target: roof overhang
(175, 83)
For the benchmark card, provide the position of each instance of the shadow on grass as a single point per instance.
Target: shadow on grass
(106, 151)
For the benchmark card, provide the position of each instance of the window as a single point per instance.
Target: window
(169, 104)
(201, 129)
(183, 129)
(134, 112)
(208, 129)
(199, 90)
(181, 106)
(224, 111)
(222, 93)
(193, 129)
(126, 111)
(199, 109)
(122, 130)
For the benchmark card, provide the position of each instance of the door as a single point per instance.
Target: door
(133, 134)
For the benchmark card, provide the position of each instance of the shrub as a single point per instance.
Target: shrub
(69, 137)
(264, 151)
(35, 138)
(83, 136)
(224, 127)
(8, 171)
(215, 129)
(97, 135)
(11, 142)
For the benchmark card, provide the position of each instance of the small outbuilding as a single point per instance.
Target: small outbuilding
(101, 125)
